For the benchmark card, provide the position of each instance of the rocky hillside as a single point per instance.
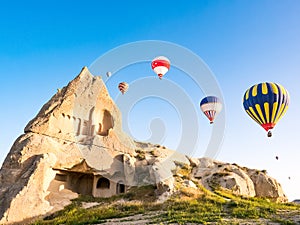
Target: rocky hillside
(75, 146)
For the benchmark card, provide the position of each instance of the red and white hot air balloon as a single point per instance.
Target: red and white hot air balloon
(123, 87)
(160, 65)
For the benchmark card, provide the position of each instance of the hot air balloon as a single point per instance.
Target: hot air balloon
(160, 65)
(123, 87)
(108, 74)
(266, 103)
(211, 106)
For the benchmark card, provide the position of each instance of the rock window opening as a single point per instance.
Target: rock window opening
(107, 123)
(103, 183)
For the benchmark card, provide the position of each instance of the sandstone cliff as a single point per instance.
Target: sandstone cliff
(75, 145)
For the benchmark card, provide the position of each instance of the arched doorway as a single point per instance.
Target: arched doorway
(120, 187)
(103, 183)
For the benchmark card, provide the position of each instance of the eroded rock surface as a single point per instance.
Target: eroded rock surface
(241, 180)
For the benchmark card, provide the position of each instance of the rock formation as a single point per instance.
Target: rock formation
(241, 180)
(75, 145)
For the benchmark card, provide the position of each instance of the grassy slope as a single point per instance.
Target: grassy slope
(187, 205)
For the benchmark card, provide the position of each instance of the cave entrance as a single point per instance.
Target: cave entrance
(81, 183)
(120, 187)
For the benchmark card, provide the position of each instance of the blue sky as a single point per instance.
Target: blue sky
(44, 45)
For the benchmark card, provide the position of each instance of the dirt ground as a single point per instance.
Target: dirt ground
(151, 217)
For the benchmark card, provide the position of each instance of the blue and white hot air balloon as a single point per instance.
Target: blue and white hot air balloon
(211, 106)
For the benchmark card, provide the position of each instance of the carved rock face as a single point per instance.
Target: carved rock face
(79, 112)
(79, 123)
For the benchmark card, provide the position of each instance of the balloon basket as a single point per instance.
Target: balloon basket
(269, 134)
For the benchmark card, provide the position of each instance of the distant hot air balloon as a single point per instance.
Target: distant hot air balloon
(160, 65)
(123, 87)
(276, 158)
(211, 106)
(108, 74)
(266, 103)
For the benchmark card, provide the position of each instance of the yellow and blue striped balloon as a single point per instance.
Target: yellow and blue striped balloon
(266, 103)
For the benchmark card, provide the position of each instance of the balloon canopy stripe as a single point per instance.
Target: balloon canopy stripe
(254, 113)
(247, 94)
(267, 111)
(284, 111)
(254, 90)
(209, 99)
(164, 63)
(275, 106)
(252, 116)
(264, 88)
(260, 113)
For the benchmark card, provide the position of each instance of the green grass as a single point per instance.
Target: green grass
(193, 211)
(78, 215)
(187, 205)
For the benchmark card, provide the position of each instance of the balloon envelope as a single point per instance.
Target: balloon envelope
(160, 65)
(211, 106)
(123, 87)
(266, 103)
